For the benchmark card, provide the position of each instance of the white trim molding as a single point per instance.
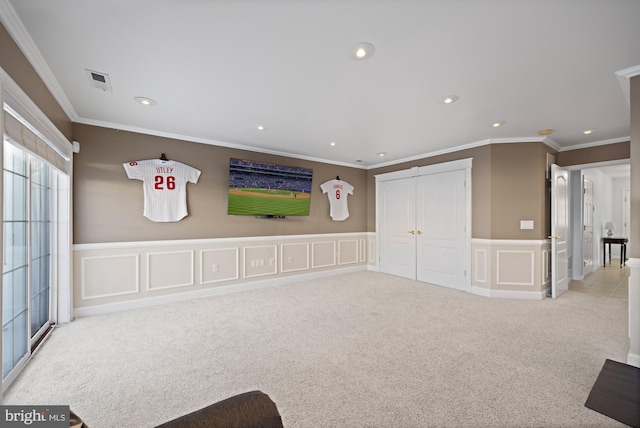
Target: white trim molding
(502, 294)
(22, 38)
(624, 78)
(214, 291)
(633, 357)
(513, 269)
(170, 269)
(110, 275)
(106, 265)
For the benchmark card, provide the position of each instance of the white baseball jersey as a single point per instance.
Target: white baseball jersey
(164, 184)
(337, 191)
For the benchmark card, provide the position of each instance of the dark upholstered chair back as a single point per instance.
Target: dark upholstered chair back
(252, 409)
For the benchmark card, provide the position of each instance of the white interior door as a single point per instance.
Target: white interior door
(440, 233)
(587, 226)
(396, 226)
(559, 230)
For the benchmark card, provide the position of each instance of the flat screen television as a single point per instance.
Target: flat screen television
(268, 190)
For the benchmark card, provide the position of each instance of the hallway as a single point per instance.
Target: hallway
(608, 281)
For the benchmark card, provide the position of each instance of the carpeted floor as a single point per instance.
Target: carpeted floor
(359, 350)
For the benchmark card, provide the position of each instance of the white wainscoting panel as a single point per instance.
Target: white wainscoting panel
(114, 276)
(509, 268)
(372, 252)
(363, 250)
(347, 252)
(170, 269)
(108, 276)
(220, 264)
(323, 254)
(260, 261)
(546, 266)
(294, 257)
(515, 267)
(480, 267)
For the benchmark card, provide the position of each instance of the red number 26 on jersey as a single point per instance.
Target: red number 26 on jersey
(160, 182)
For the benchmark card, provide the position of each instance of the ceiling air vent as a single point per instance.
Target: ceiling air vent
(99, 80)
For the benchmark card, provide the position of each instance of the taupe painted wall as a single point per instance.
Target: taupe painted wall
(18, 67)
(518, 190)
(108, 206)
(589, 155)
(480, 176)
(508, 185)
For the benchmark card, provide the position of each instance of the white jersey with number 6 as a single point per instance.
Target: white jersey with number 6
(337, 191)
(164, 186)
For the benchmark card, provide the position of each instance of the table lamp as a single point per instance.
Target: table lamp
(610, 227)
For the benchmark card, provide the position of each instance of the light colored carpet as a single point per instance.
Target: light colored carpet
(358, 350)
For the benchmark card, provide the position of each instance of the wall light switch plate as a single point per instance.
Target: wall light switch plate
(526, 224)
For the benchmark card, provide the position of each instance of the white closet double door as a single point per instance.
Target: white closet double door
(423, 226)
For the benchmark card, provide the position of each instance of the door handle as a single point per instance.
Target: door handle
(412, 232)
(555, 237)
(419, 232)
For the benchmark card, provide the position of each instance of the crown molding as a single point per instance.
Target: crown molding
(545, 140)
(21, 36)
(624, 78)
(173, 136)
(596, 143)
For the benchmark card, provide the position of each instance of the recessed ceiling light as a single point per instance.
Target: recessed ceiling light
(451, 99)
(361, 51)
(545, 132)
(589, 131)
(498, 124)
(261, 127)
(145, 101)
(333, 143)
(381, 154)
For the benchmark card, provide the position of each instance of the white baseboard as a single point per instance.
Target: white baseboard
(87, 311)
(633, 359)
(508, 294)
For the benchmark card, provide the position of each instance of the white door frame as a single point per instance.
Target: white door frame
(626, 215)
(587, 226)
(462, 164)
(559, 231)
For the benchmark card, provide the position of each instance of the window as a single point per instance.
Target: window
(36, 233)
(26, 274)
(15, 265)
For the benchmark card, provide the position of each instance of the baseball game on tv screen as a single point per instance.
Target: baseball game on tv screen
(264, 189)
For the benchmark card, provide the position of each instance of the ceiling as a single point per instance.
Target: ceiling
(219, 68)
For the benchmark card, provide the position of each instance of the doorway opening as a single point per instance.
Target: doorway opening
(598, 192)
